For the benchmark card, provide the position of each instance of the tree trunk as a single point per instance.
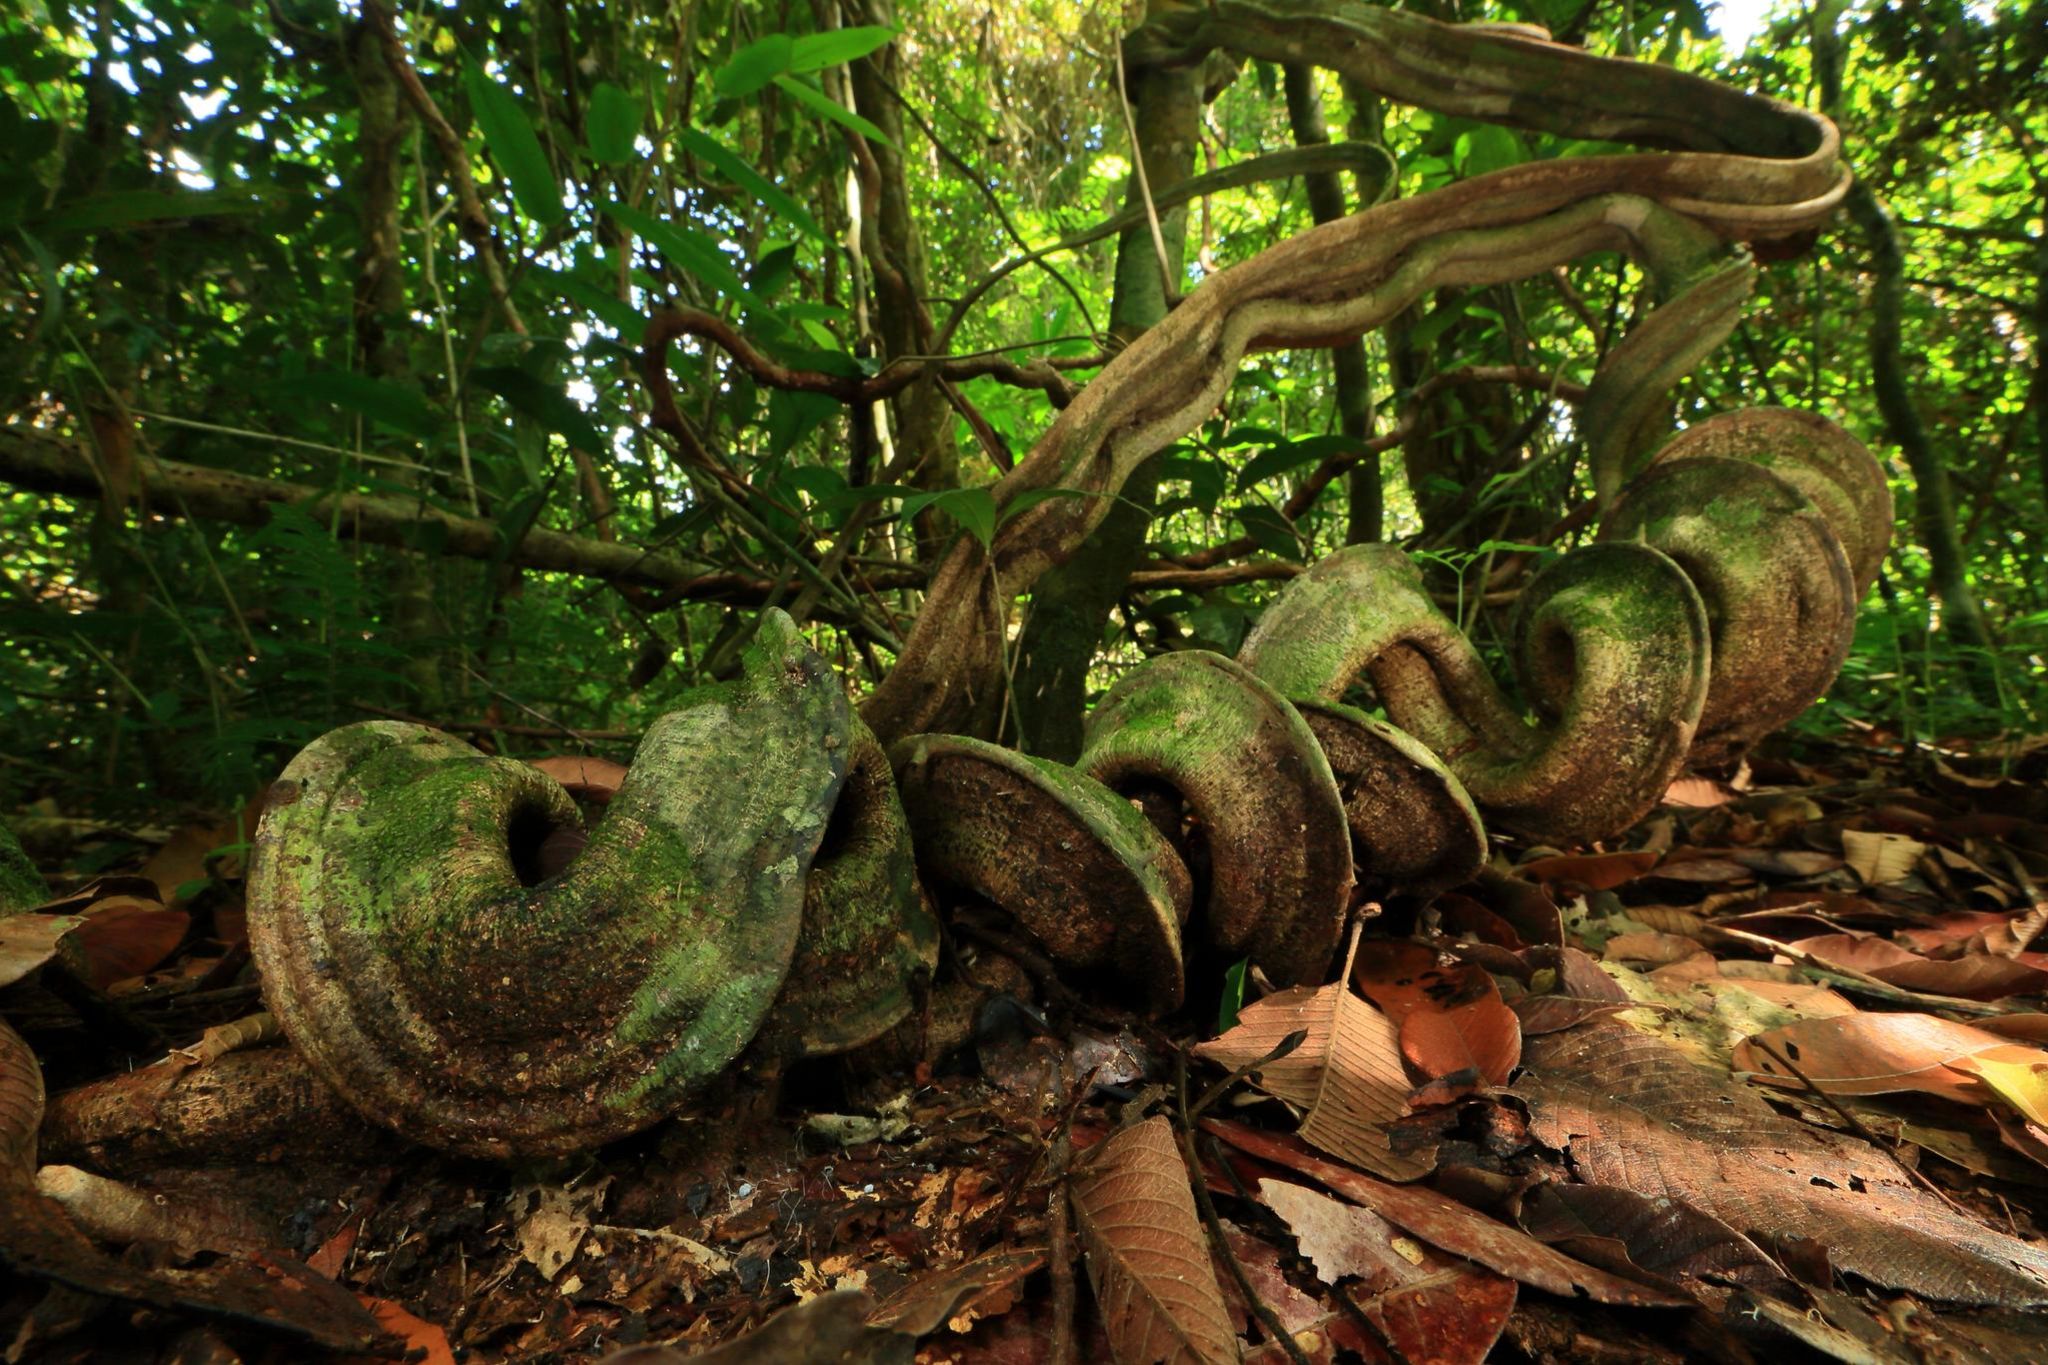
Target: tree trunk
(381, 321)
(1934, 509)
(1347, 362)
(1070, 605)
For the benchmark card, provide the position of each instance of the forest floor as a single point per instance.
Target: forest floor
(1764, 1080)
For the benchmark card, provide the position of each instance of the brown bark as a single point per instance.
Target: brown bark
(1346, 277)
(45, 462)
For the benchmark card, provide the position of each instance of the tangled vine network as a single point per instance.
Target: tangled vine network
(757, 887)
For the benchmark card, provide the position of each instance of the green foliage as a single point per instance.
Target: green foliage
(183, 254)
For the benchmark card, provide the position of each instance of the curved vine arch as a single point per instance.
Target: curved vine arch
(1748, 168)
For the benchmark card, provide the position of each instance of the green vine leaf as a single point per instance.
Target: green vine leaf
(514, 146)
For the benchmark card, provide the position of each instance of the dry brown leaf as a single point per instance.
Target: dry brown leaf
(1346, 1076)
(1629, 1110)
(1343, 1241)
(21, 1107)
(1589, 871)
(29, 940)
(1430, 1306)
(970, 1290)
(1974, 976)
(1698, 793)
(1154, 1283)
(1880, 858)
(1877, 1054)
(1448, 1225)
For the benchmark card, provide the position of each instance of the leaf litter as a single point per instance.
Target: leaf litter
(1770, 1070)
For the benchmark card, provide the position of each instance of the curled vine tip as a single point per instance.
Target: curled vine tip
(418, 962)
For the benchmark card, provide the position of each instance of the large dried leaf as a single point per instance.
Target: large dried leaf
(1346, 1075)
(1448, 1225)
(21, 1107)
(124, 936)
(1973, 976)
(1880, 858)
(28, 941)
(1879, 1054)
(1629, 1232)
(1430, 1306)
(1449, 1013)
(1631, 1111)
(1154, 1282)
(831, 1329)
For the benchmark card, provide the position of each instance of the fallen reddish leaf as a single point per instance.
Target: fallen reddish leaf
(1698, 793)
(1147, 1259)
(124, 936)
(1650, 946)
(1449, 1225)
(586, 779)
(1449, 1013)
(420, 1335)
(1975, 976)
(1665, 1238)
(1589, 871)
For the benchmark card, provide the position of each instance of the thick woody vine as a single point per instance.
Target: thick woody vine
(750, 895)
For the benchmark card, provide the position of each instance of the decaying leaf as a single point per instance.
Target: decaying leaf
(958, 1294)
(1449, 1014)
(123, 936)
(1880, 858)
(1877, 1054)
(1448, 1225)
(1346, 1076)
(1632, 1233)
(1631, 1111)
(1154, 1283)
(1430, 1306)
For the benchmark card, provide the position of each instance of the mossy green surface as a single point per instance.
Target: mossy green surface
(429, 982)
(21, 886)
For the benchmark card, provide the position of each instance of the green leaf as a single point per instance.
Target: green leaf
(383, 401)
(686, 249)
(1289, 455)
(1031, 497)
(616, 313)
(544, 403)
(515, 148)
(753, 66)
(1233, 995)
(612, 123)
(1206, 478)
(1439, 321)
(815, 51)
(794, 414)
(738, 170)
(1272, 532)
(1488, 148)
(820, 104)
(973, 508)
(125, 208)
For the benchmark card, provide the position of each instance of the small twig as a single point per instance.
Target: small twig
(1168, 293)
(1059, 1257)
(1260, 1308)
(1862, 981)
(1215, 1092)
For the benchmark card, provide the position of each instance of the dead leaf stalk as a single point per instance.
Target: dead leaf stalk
(1207, 1206)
